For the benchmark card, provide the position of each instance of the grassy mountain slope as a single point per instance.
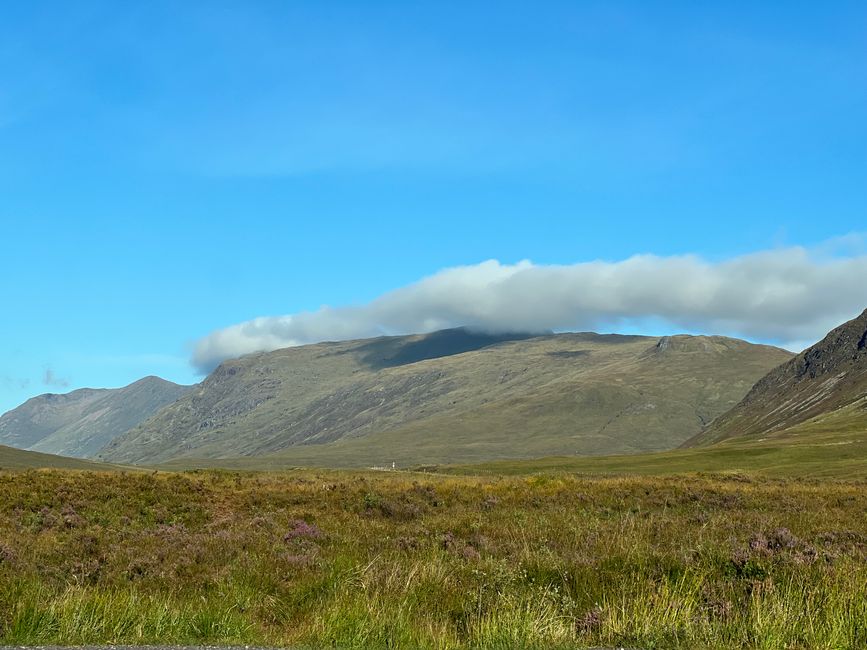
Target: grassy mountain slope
(11, 458)
(452, 396)
(825, 379)
(832, 447)
(80, 423)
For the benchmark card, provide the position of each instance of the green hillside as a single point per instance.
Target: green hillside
(830, 450)
(11, 458)
(410, 400)
(833, 447)
(832, 444)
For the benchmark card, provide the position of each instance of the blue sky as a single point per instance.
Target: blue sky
(168, 170)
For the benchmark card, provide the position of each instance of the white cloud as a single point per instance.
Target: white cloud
(787, 296)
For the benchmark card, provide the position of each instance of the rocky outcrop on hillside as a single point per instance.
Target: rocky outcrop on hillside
(830, 375)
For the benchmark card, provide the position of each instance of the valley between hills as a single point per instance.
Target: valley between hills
(557, 491)
(585, 402)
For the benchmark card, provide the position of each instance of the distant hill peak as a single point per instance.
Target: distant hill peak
(151, 380)
(689, 343)
(80, 422)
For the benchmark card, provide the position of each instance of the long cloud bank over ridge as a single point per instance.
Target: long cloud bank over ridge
(787, 296)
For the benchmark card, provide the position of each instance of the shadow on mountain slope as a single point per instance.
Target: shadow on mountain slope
(389, 352)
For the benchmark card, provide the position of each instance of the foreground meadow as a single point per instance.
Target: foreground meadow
(416, 561)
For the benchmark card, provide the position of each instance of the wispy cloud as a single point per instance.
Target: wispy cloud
(788, 296)
(14, 383)
(50, 378)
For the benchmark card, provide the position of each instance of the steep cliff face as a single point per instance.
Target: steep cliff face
(820, 380)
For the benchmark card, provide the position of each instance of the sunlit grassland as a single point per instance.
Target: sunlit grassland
(554, 552)
(344, 559)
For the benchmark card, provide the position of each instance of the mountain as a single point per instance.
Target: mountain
(80, 423)
(822, 389)
(11, 458)
(452, 396)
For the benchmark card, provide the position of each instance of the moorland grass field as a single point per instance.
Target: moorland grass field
(404, 560)
(832, 446)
